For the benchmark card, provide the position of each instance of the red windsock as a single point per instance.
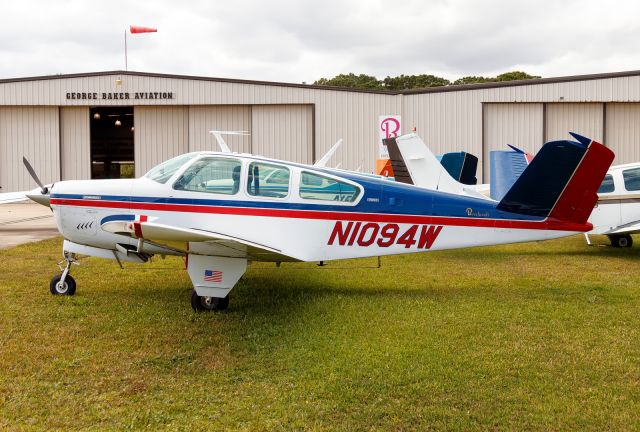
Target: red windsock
(140, 29)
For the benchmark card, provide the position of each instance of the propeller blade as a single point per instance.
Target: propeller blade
(33, 175)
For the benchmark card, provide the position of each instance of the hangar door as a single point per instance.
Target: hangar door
(203, 119)
(75, 155)
(518, 124)
(160, 133)
(623, 131)
(32, 132)
(582, 118)
(283, 132)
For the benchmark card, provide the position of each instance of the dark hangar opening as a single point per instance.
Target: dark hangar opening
(112, 143)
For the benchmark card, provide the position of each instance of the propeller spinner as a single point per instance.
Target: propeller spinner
(44, 197)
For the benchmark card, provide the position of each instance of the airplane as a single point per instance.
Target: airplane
(617, 213)
(220, 211)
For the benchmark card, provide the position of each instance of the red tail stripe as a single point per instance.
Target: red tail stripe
(576, 202)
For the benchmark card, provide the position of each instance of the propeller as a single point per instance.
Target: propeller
(44, 197)
(34, 176)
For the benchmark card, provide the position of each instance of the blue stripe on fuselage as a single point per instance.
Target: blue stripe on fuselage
(380, 196)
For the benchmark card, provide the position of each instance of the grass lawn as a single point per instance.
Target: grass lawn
(538, 336)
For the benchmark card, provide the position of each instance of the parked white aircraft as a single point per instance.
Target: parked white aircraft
(617, 213)
(223, 209)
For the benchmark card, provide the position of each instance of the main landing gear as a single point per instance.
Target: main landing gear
(624, 240)
(207, 304)
(64, 284)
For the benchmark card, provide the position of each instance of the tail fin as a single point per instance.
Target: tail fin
(462, 166)
(505, 166)
(561, 182)
(413, 163)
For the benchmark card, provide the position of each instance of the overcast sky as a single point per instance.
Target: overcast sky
(301, 41)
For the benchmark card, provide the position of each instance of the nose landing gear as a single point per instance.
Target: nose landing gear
(64, 284)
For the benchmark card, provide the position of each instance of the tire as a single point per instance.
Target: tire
(68, 289)
(621, 241)
(208, 304)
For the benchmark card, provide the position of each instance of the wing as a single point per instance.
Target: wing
(203, 241)
(630, 228)
(13, 197)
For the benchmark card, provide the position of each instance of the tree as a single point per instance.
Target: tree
(515, 75)
(408, 82)
(473, 80)
(352, 80)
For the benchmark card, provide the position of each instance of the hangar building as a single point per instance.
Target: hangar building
(113, 124)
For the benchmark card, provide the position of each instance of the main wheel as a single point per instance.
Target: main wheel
(58, 288)
(621, 240)
(206, 304)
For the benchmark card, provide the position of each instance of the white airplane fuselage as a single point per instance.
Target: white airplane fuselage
(380, 222)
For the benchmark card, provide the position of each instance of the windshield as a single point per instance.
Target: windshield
(163, 172)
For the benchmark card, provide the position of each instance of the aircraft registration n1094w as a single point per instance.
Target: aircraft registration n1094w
(223, 209)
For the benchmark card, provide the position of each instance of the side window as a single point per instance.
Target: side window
(631, 179)
(317, 187)
(211, 175)
(268, 180)
(607, 184)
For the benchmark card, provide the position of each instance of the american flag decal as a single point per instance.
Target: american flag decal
(212, 276)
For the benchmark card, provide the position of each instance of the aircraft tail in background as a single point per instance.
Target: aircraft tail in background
(505, 168)
(413, 163)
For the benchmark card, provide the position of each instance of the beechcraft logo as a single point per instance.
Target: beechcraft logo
(212, 276)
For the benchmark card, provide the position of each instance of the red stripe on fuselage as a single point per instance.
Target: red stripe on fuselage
(547, 224)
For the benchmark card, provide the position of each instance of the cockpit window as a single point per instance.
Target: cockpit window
(211, 175)
(317, 187)
(607, 185)
(163, 172)
(268, 180)
(631, 179)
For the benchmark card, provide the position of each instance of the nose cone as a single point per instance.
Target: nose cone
(36, 195)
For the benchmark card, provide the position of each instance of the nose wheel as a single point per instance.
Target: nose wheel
(208, 304)
(64, 284)
(62, 287)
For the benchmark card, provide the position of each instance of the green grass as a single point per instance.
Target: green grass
(539, 336)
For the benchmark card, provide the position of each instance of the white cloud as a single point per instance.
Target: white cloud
(302, 40)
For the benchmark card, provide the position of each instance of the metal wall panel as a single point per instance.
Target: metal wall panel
(623, 131)
(160, 134)
(516, 124)
(186, 91)
(32, 132)
(446, 122)
(283, 132)
(582, 118)
(203, 119)
(354, 118)
(75, 145)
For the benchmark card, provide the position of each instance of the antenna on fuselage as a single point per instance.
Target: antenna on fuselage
(328, 155)
(224, 148)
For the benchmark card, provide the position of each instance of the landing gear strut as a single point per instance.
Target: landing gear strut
(624, 240)
(64, 284)
(206, 304)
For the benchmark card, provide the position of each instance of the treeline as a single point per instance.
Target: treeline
(409, 82)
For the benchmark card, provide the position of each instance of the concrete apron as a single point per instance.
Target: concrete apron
(24, 223)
